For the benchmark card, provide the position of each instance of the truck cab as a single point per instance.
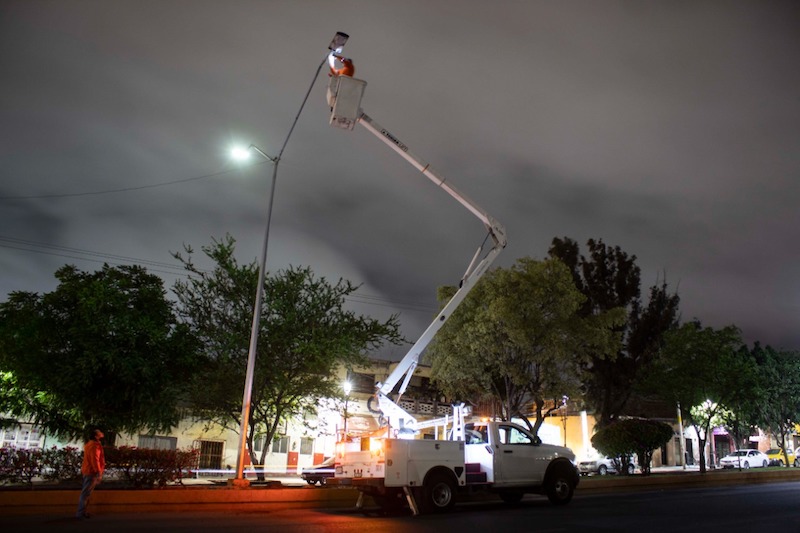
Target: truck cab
(509, 454)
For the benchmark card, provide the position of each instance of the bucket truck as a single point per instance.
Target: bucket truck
(394, 467)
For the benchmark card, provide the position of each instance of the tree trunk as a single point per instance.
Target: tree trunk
(702, 448)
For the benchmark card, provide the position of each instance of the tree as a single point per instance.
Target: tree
(305, 335)
(740, 413)
(610, 279)
(703, 370)
(517, 340)
(103, 349)
(630, 436)
(779, 406)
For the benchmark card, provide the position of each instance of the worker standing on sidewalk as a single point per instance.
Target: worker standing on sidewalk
(94, 463)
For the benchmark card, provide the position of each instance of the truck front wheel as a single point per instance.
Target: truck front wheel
(560, 486)
(439, 494)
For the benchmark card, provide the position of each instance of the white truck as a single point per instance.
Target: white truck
(395, 467)
(431, 475)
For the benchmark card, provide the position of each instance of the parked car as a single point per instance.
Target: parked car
(319, 473)
(601, 466)
(745, 459)
(776, 458)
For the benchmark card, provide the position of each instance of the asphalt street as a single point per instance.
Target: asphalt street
(745, 508)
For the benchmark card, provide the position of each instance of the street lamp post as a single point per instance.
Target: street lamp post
(337, 42)
(251, 354)
(347, 388)
(564, 413)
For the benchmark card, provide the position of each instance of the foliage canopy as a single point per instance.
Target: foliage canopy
(104, 349)
(632, 436)
(305, 335)
(517, 340)
(610, 279)
(704, 371)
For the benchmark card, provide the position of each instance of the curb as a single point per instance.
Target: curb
(712, 478)
(174, 499)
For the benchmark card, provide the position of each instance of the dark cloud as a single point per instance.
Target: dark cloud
(669, 129)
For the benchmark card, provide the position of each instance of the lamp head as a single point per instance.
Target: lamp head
(338, 41)
(240, 153)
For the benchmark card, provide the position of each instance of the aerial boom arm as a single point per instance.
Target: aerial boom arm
(496, 230)
(477, 268)
(344, 98)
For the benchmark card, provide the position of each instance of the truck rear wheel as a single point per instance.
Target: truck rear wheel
(439, 493)
(560, 485)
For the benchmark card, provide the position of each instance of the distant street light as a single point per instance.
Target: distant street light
(347, 386)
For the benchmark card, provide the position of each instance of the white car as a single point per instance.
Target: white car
(745, 459)
(601, 466)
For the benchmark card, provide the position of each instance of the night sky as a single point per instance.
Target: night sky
(670, 129)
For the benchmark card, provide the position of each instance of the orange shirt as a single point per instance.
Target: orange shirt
(94, 459)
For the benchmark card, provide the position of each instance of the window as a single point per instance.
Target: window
(306, 446)
(24, 436)
(259, 442)
(363, 382)
(280, 445)
(211, 454)
(512, 435)
(156, 442)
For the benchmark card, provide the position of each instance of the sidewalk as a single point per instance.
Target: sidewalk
(674, 469)
(272, 478)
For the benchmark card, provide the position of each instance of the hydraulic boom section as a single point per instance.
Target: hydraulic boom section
(344, 99)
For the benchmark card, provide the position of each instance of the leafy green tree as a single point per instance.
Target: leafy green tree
(610, 279)
(103, 349)
(703, 370)
(779, 407)
(517, 340)
(740, 413)
(305, 334)
(630, 436)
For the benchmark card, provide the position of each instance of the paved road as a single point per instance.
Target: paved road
(772, 507)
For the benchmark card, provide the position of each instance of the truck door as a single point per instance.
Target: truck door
(520, 460)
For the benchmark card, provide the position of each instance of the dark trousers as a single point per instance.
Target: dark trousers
(89, 483)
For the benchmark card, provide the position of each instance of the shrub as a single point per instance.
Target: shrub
(137, 467)
(6, 468)
(18, 465)
(143, 467)
(62, 464)
(633, 436)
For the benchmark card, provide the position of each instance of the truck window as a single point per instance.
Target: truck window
(475, 435)
(512, 435)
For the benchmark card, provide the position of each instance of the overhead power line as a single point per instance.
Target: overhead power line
(173, 269)
(122, 189)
